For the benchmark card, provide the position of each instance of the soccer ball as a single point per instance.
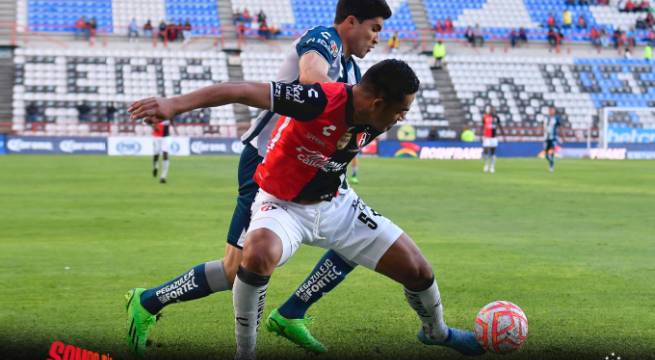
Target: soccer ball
(501, 327)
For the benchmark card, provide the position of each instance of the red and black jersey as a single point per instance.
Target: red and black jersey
(312, 143)
(490, 124)
(161, 129)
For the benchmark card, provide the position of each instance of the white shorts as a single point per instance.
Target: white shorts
(489, 142)
(345, 224)
(161, 144)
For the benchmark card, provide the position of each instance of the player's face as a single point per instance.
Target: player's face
(364, 35)
(385, 115)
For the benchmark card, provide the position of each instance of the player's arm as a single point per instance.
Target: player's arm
(156, 109)
(313, 68)
(302, 102)
(500, 127)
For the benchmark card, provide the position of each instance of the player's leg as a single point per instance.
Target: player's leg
(404, 263)
(273, 236)
(354, 168)
(219, 275)
(485, 156)
(156, 144)
(165, 145)
(492, 155)
(377, 243)
(289, 319)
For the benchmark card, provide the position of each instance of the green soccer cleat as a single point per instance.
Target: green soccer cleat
(295, 330)
(353, 180)
(139, 321)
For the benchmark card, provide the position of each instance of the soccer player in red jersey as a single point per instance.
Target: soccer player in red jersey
(322, 127)
(161, 144)
(490, 124)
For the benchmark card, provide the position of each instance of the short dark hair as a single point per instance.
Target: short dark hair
(362, 10)
(391, 79)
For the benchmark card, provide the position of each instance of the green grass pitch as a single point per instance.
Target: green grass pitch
(575, 249)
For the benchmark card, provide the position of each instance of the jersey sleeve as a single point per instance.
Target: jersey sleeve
(301, 102)
(321, 41)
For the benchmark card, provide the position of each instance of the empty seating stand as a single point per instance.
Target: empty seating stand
(87, 92)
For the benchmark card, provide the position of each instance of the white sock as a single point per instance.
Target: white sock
(164, 169)
(493, 161)
(249, 296)
(428, 307)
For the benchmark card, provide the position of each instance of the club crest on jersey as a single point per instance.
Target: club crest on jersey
(334, 49)
(363, 139)
(344, 140)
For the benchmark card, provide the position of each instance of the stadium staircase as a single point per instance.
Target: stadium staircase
(225, 16)
(235, 73)
(417, 8)
(7, 20)
(6, 93)
(453, 109)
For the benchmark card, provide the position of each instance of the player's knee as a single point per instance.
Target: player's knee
(262, 251)
(165, 156)
(419, 275)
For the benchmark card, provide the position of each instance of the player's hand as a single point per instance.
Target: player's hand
(152, 110)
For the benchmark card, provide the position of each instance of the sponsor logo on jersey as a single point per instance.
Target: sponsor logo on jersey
(315, 139)
(268, 207)
(318, 160)
(327, 130)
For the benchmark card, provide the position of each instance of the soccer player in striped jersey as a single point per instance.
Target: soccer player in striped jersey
(551, 131)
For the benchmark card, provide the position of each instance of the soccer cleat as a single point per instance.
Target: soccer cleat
(460, 340)
(486, 168)
(492, 170)
(154, 172)
(139, 321)
(353, 180)
(162, 181)
(295, 330)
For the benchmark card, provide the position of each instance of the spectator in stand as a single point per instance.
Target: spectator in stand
(567, 19)
(644, 6)
(550, 21)
(438, 27)
(595, 38)
(264, 31)
(32, 112)
(478, 38)
(469, 36)
(439, 53)
(582, 23)
(92, 26)
(648, 52)
(523, 35)
(604, 38)
(111, 111)
(629, 6)
(241, 29)
(80, 28)
(186, 31)
(83, 112)
(237, 17)
(554, 38)
(570, 2)
(650, 19)
(393, 43)
(246, 15)
(132, 30)
(448, 25)
(513, 38)
(261, 17)
(147, 29)
(171, 31)
(650, 38)
(162, 31)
